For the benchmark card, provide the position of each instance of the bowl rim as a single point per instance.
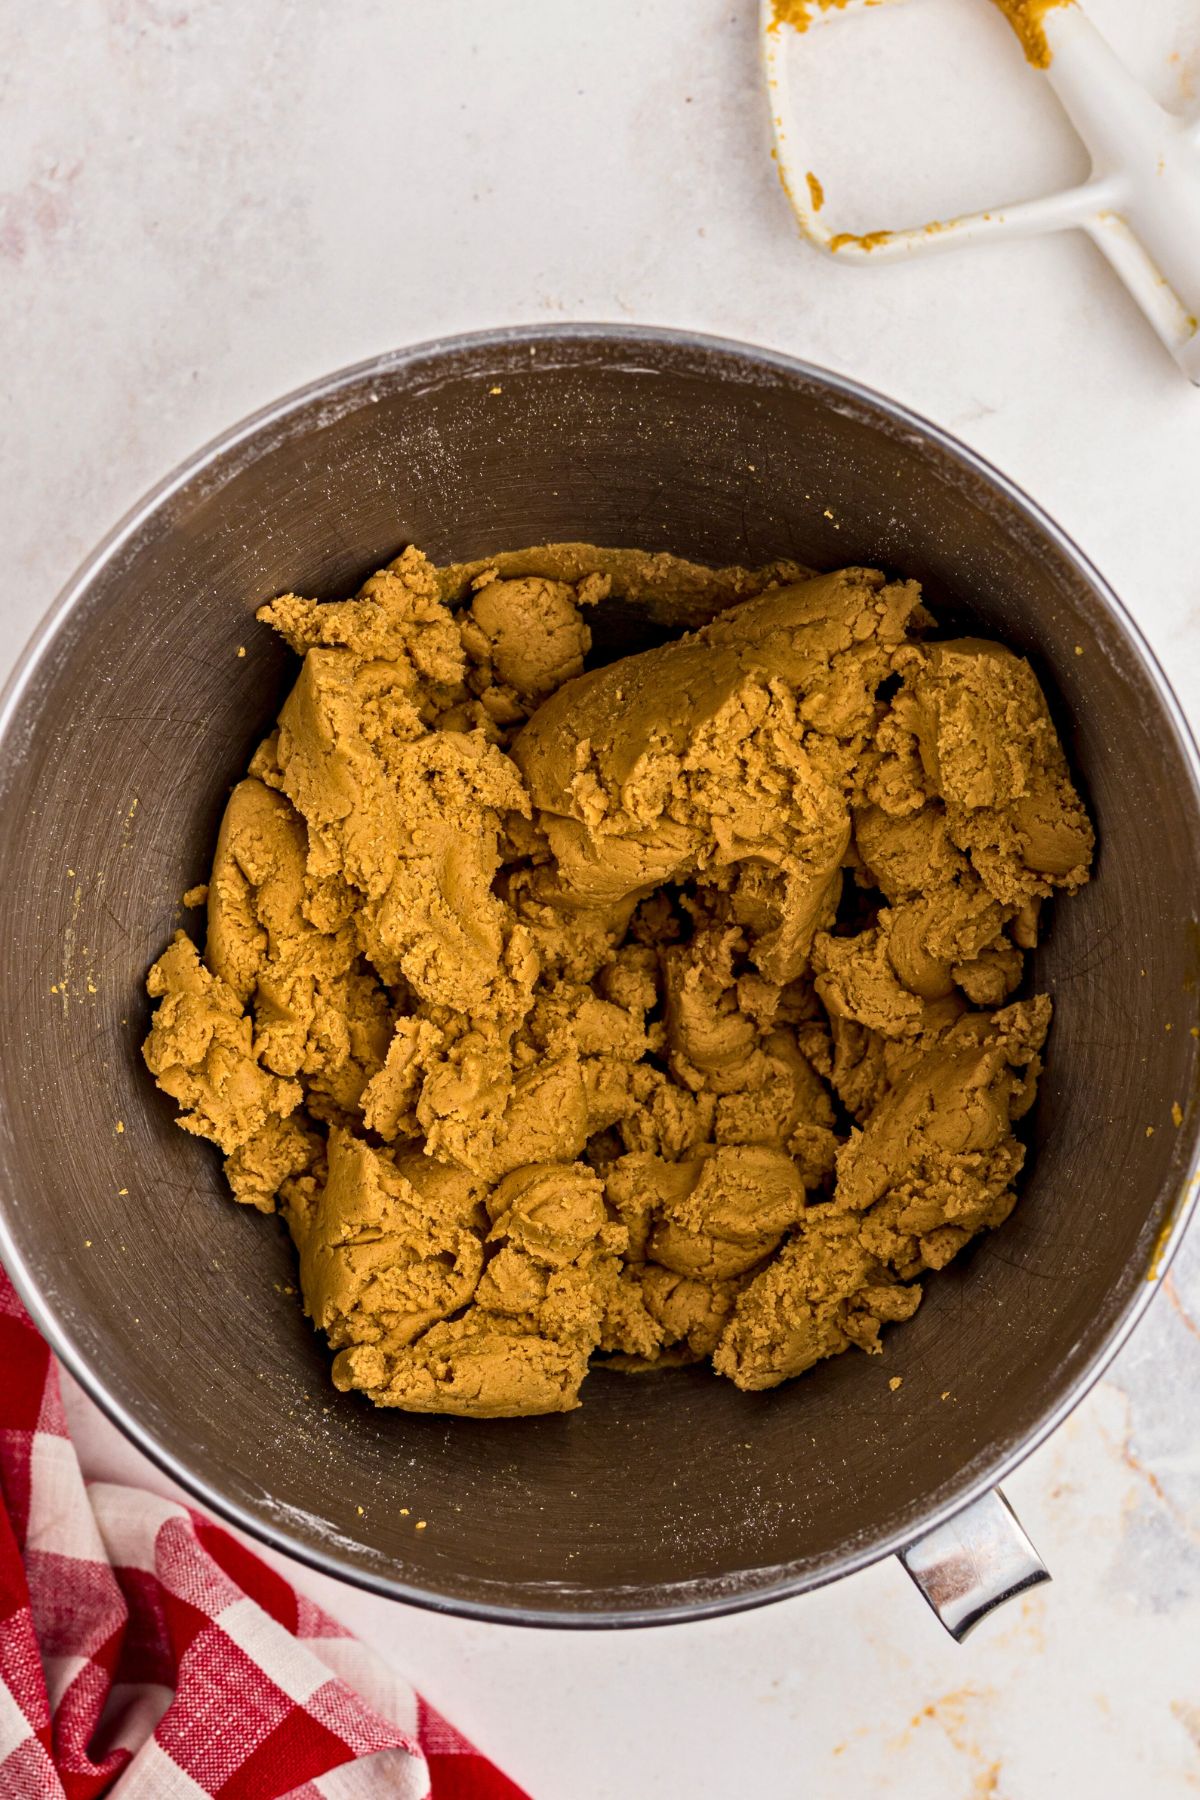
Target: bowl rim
(753, 358)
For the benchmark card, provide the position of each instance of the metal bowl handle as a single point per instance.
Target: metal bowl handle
(974, 1563)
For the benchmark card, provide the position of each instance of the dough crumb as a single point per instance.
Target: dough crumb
(577, 1009)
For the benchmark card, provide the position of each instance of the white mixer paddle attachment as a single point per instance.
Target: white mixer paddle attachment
(1140, 203)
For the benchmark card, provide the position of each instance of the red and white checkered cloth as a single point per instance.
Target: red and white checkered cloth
(146, 1654)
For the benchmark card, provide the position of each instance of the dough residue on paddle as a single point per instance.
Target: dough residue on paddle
(642, 1013)
(1028, 20)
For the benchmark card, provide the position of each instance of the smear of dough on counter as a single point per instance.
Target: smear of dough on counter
(639, 1014)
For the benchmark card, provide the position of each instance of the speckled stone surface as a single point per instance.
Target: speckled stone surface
(203, 205)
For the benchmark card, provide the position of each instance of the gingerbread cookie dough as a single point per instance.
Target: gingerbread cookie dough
(643, 1013)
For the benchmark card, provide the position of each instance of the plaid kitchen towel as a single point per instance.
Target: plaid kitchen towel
(146, 1654)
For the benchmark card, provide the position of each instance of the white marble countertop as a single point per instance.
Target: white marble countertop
(203, 205)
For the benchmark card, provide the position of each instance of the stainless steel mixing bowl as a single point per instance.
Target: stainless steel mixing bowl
(668, 1496)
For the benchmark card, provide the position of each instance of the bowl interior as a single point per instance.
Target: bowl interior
(667, 1493)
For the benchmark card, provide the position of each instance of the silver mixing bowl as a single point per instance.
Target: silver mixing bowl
(664, 1497)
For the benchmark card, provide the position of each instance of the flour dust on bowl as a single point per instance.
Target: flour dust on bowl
(666, 1496)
